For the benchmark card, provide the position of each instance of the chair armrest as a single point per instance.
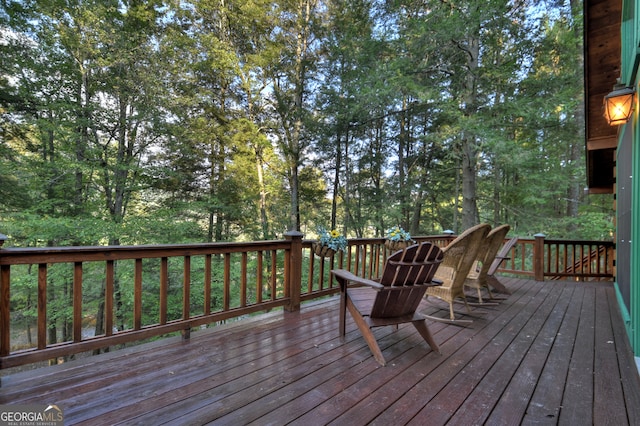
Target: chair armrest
(496, 264)
(344, 277)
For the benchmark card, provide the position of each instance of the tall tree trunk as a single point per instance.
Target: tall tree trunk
(264, 221)
(470, 215)
(402, 144)
(574, 190)
(336, 178)
(469, 204)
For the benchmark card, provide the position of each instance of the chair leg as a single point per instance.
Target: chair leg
(489, 291)
(366, 332)
(343, 313)
(481, 302)
(424, 331)
(465, 304)
(497, 285)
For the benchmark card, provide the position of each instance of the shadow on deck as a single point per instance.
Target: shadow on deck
(551, 353)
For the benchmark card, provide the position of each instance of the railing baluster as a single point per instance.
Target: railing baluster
(207, 284)
(77, 302)
(370, 262)
(108, 298)
(186, 288)
(137, 295)
(243, 280)
(226, 281)
(311, 277)
(164, 289)
(274, 275)
(321, 271)
(259, 277)
(5, 311)
(42, 306)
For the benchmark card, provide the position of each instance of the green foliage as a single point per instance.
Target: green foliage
(177, 115)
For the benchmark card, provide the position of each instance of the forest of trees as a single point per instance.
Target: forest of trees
(153, 121)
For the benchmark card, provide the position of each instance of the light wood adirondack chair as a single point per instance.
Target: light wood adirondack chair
(459, 256)
(477, 277)
(394, 299)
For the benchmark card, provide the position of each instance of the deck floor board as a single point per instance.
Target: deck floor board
(551, 353)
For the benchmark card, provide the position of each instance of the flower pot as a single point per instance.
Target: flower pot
(322, 251)
(396, 245)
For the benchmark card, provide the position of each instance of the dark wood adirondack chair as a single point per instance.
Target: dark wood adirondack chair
(477, 277)
(459, 256)
(502, 255)
(394, 299)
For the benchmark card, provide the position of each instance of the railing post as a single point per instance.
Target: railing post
(538, 257)
(5, 300)
(293, 262)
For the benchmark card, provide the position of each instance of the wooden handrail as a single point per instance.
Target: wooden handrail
(209, 283)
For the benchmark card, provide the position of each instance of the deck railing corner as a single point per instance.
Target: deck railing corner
(293, 279)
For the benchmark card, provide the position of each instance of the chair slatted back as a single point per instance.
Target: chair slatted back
(502, 255)
(414, 265)
(404, 276)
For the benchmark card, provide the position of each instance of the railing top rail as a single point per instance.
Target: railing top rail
(34, 255)
(580, 242)
(376, 240)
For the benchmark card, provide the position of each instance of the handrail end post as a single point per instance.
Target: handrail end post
(538, 257)
(294, 274)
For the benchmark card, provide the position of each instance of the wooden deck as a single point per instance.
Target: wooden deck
(551, 353)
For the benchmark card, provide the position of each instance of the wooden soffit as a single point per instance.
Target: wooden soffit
(602, 45)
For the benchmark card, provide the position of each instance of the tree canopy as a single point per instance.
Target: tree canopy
(137, 121)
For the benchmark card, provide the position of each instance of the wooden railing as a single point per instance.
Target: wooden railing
(59, 301)
(577, 260)
(542, 258)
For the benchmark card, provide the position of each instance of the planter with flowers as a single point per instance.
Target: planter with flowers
(397, 239)
(329, 242)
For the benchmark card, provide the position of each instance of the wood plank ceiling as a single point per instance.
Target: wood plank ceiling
(602, 44)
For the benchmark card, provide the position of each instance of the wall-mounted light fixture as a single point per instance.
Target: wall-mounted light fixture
(618, 105)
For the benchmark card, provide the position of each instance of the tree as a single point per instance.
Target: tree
(299, 21)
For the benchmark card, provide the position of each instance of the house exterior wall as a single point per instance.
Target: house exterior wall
(624, 216)
(628, 182)
(626, 291)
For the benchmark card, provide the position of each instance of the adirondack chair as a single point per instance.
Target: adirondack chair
(459, 256)
(502, 255)
(477, 277)
(393, 299)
